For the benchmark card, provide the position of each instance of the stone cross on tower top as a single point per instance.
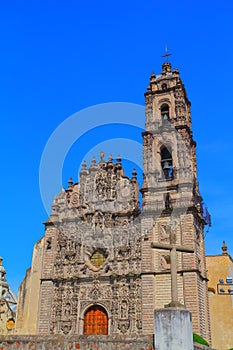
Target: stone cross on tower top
(173, 260)
(166, 55)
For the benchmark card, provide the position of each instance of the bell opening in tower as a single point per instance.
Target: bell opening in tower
(166, 162)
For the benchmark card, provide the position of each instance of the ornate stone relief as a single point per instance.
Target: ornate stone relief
(180, 109)
(96, 246)
(164, 233)
(64, 308)
(179, 93)
(148, 140)
(122, 300)
(164, 262)
(105, 185)
(126, 310)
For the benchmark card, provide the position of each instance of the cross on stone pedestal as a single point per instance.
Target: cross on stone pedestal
(173, 261)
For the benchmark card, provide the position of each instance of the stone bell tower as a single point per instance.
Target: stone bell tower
(172, 203)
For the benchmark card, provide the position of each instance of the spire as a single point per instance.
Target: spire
(224, 248)
(93, 166)
(70, 183)
(110, 162)
(84, 170)
(134, 175)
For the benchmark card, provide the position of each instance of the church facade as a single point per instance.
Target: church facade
(95, 271)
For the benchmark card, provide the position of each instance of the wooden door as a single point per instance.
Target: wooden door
(96, 320)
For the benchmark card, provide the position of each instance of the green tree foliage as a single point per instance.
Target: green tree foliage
(198, 339)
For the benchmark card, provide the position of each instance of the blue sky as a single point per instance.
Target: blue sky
(59, 57)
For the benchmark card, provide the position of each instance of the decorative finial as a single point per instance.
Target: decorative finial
(1, 261)
(118, 158)
(70, 182)
(134, 174)
(93, 164)
(118, 166)
(224, 248)
(166, 55)
(101, 157)
(84, 164)
(110, 163)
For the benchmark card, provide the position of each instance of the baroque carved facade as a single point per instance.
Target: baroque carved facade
(92, 253)
(97, 256)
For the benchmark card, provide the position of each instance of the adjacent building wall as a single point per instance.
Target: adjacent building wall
(221, 303)
(28, 294)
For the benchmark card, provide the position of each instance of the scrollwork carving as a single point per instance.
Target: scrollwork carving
(148, 140)
(64, 308)
(123, 326)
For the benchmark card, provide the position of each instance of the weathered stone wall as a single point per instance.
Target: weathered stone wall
(28, 294)
(79, 342)
(73, 343)
(6, 317)
(173, 200)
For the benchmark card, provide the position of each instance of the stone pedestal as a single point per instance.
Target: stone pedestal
(173, 329)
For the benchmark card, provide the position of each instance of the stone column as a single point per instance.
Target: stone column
(173, 329)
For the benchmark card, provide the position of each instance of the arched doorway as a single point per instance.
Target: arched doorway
(95, 320)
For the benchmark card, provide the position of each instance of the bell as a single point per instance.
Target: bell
(165, 116)
(166, 165)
